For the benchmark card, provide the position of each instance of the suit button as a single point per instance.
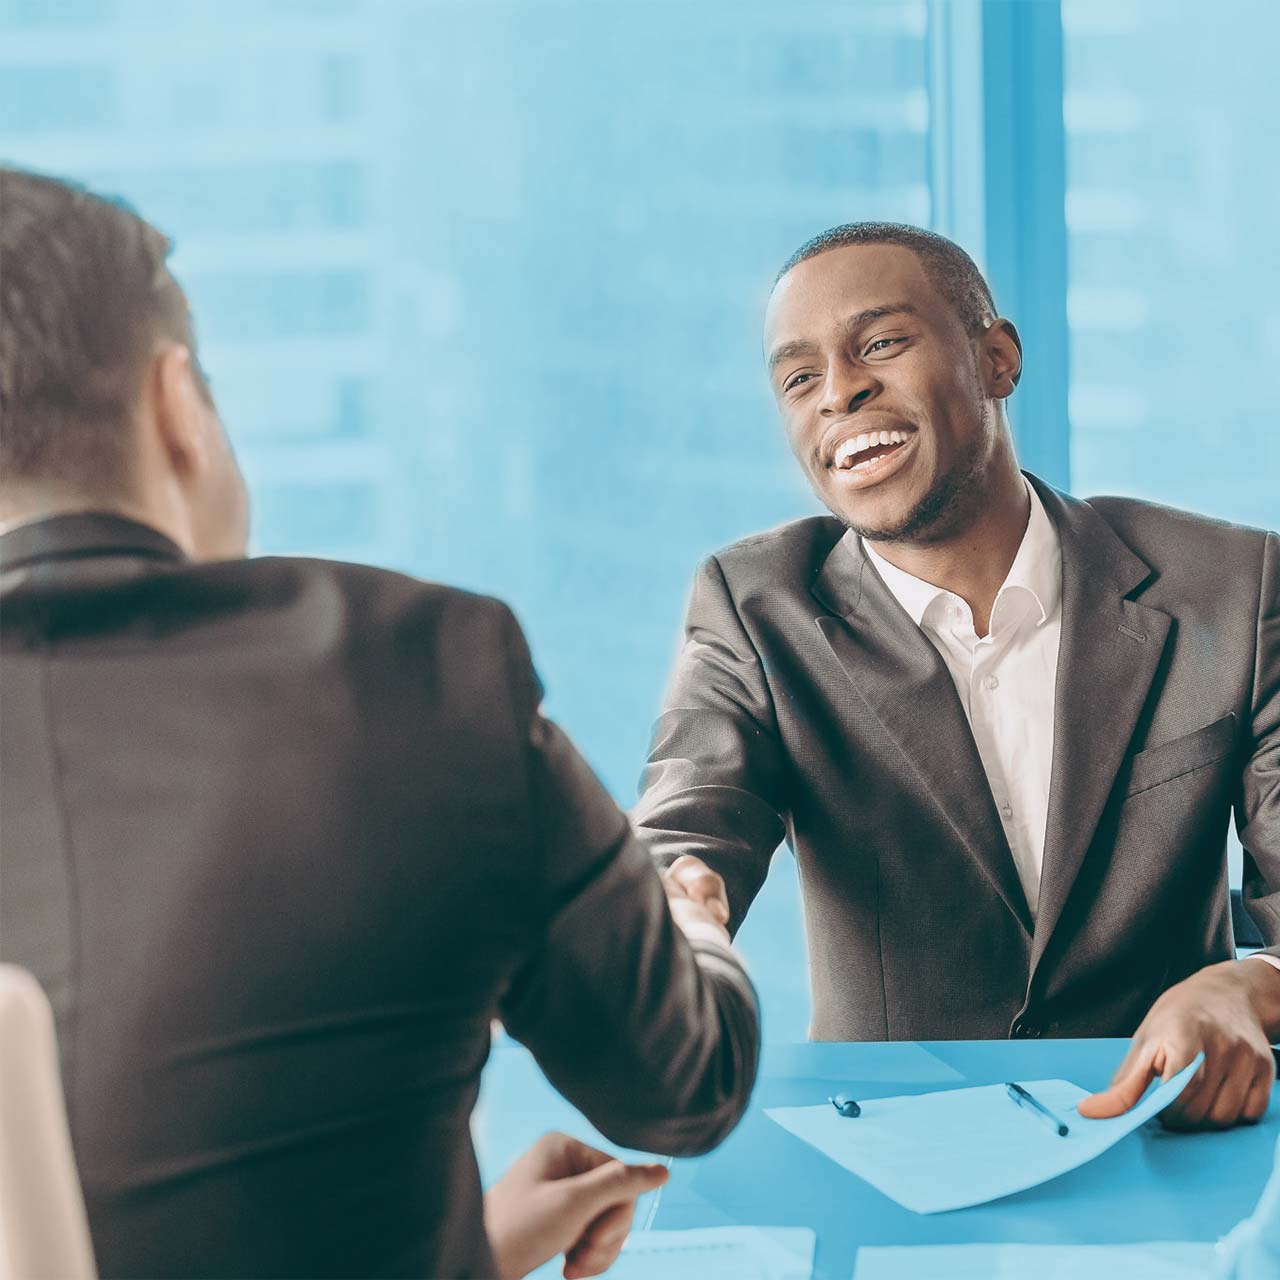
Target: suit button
(1025, 1031)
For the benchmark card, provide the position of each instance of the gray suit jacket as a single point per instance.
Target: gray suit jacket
(280, 838)
(807, 704)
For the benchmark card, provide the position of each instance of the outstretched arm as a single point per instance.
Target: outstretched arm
(714, 787)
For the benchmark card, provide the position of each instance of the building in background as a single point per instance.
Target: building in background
(479, 282)
(1174, 298)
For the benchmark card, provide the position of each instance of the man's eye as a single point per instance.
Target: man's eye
(881, 343)
(796, 380)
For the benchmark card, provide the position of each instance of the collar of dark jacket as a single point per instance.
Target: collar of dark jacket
(82, 534)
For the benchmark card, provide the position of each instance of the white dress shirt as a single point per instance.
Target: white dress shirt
(1005, 679)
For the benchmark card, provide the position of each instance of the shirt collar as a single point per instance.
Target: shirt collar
(1036, 569)
(80, 534)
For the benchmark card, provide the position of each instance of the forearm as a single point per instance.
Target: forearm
(655, 1040)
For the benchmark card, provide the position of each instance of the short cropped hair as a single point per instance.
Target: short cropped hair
(85, 297)
(952, 272)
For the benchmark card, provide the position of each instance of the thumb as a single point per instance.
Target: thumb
(1128, 1086)
(591, 1193)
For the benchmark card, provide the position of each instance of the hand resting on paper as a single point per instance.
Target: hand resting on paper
(1224, 1011)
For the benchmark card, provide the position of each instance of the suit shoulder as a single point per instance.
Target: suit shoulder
(792, 550)
(1155, 530)
(383, 605)
(373, 585)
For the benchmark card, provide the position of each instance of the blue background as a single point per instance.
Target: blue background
(479, 282)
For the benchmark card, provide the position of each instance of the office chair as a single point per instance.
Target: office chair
(44, 1233)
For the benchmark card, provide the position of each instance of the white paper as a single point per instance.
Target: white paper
(711, 1253)
(1037, 1262)
(953, 1148)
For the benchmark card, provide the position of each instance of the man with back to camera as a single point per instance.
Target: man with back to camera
(1001, 728)
(282, 836)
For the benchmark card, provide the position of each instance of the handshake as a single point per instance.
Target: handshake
(564, 1196)
(698, 900)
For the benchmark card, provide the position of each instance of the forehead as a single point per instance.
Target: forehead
(820, 293)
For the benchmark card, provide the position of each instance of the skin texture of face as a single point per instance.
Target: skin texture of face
(859, 341)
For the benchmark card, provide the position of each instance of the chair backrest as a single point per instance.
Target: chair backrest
(44, 1232)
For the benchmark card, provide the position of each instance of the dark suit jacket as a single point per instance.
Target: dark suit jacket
(280, 838)
(806, 703)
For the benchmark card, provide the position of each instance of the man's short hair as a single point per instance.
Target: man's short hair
(952, 272)
(85, 297)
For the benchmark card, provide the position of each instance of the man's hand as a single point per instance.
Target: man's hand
(698, 900)
(563, 1196)
(1222, 1011)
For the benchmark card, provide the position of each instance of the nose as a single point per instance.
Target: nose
(849, 386)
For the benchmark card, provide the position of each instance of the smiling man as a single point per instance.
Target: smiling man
(1002, 729)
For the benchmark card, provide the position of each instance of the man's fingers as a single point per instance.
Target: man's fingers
(699, 882)
(1191, 1107)
(599, 1245)
(1238, 1092)
(572, 1156)
(1127, 1086)
(613, 1183)
(1255, 1103)
(1227, 1104)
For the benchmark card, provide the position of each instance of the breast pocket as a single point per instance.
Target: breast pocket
(1183, 755)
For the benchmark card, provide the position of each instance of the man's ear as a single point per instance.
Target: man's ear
(178, 409)
(1001, 358)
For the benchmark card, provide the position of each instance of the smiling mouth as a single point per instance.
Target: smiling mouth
(865, 451)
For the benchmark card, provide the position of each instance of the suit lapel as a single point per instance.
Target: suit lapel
(1110, 650)
(905, 684)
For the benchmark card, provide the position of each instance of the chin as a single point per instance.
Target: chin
(882, 520)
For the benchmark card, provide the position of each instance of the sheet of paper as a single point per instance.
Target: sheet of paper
(958, 1147)
(1042, 1261)
(902, 1063)
(711, 1253)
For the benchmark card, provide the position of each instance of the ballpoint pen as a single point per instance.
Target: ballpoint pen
(1024, 1099)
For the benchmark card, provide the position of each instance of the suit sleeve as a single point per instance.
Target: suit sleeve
(655, 1040)
(1258, 801)
(714, 784)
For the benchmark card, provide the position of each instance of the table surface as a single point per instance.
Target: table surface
(1153, 1185)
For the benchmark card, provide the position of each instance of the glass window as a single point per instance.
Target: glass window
(479, 286)
(1174, 299)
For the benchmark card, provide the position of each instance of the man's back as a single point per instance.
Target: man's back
(280, 838)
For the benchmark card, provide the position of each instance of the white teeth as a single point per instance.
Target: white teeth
(861, 443)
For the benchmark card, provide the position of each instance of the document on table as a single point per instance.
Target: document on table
(958, 1147)
(710, 1253)
(1192, 1261)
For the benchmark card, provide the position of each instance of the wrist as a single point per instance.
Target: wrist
(507, 1252)
(1262, 988)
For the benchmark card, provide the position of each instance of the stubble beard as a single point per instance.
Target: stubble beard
(945, 511)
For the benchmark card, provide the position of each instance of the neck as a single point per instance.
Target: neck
(973, 563)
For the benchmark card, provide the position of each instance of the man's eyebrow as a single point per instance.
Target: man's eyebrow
(798, 347)
(860, 318)
(803, 347)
